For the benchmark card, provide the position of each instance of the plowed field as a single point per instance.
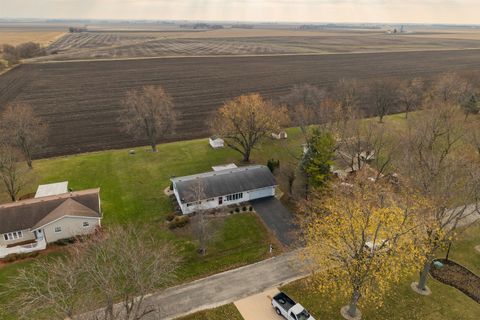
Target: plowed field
(80, 100)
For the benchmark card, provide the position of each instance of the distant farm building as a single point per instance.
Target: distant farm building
(210, 190)
(216, 142)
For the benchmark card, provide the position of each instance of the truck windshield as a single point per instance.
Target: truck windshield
(304, 315)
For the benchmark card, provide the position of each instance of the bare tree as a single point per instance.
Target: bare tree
(449, 88)
(200, 219)
(290, 171)
(13, 176)
(125, 266)
(346, 94)
(244, 121)
(20, 127)
(113, 271)
(383, 96)
(149, 111)
(305, 104)
(436, 163)
(411, 93)
(46, 288)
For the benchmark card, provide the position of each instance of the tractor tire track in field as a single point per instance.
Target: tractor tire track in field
(80, 101)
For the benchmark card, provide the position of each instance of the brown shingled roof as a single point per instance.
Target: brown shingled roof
(30, 213)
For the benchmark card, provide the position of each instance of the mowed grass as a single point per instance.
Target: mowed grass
(402, 303)
(132, 192)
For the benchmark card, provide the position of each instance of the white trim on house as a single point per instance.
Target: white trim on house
(224, 187)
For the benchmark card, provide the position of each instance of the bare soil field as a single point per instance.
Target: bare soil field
(114, 45)
(80, 101)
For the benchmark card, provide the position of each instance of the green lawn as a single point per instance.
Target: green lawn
(444, 303)
(132, 193)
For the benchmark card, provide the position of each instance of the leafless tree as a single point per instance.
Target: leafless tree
(126, 264)
(411, 94)
(149, 111)
(436, 162)
(113, 271)
(20, 127)
(347, 94)
(383, 94)
(47, 288)
(449, 88)
(289, 170)
(200, 219)
(305, 104)
(10, 54)
(13, 175)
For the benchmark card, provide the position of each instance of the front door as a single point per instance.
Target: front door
(220, 200)
(38, 234)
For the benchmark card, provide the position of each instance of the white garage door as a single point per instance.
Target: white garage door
(261, 193)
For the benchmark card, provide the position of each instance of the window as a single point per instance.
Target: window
(86, 224)
(58, 229)
(236, 196)
(13, 235)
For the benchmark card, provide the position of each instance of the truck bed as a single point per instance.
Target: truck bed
(284, 301)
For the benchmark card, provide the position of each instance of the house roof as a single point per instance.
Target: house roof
(224, 182)
(51, 189)
(69, 207)
(30, 213)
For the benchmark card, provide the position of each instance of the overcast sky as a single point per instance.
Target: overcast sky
(422, 11)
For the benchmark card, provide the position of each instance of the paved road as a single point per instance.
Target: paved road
(222, 288)
(278, 219)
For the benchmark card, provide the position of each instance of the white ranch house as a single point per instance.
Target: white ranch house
(222, 188)
(29, 225)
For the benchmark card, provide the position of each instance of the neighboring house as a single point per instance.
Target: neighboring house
(30, 224)
(280, 135)
(223, 188)
(216, 142)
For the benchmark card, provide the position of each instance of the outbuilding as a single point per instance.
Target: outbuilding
(216, 142)
(210, 190)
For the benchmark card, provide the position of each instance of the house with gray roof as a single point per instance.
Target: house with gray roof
(214, 189)
(29, 225)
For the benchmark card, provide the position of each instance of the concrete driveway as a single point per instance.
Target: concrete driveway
(278, 219)
(258, 307)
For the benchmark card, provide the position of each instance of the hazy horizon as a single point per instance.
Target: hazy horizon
(307, 11)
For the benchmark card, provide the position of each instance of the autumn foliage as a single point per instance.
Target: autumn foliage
(360, 241)
(244, 121)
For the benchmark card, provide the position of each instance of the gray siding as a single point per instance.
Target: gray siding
(27, 235)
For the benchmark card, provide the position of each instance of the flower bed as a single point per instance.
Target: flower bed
(458, 277)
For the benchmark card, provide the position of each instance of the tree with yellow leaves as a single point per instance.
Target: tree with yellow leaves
(244, 121)
(359, 242)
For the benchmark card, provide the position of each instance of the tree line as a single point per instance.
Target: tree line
(13, 54)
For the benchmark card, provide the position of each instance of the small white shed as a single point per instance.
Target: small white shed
(224, 167)
(216, 142)
(280, 135)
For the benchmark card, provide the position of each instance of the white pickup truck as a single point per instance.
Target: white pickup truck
(289, 309)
